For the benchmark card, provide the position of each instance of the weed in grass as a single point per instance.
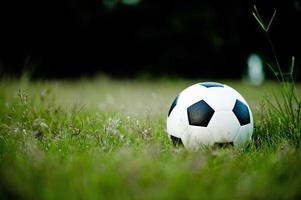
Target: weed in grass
(282, 114)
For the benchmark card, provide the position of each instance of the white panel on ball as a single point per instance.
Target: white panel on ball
(191, 95)
(236, 94)
(220, 98)
(196, 137)
(176, 122)
(223, 126)
(244, 135)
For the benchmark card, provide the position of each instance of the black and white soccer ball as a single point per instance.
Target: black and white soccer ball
(209, 113)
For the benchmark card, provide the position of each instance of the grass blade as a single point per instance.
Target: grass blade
(271, 20)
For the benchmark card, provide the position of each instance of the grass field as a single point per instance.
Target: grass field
(106, 139)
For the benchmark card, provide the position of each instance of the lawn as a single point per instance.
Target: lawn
(106, 139)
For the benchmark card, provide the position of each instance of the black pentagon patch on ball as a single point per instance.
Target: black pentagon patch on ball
(241, 111)
(211, 84)
(176, 141)
(199, 114)
(174, 103)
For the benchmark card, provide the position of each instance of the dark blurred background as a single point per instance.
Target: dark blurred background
(126, 38)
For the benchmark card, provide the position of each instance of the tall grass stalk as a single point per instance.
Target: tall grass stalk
(284, 108)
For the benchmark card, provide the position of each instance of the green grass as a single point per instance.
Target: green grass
(106, 139)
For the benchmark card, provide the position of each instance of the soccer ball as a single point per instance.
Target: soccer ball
(209, 113)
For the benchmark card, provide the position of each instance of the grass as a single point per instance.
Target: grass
(106, 139)
(285, 111)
